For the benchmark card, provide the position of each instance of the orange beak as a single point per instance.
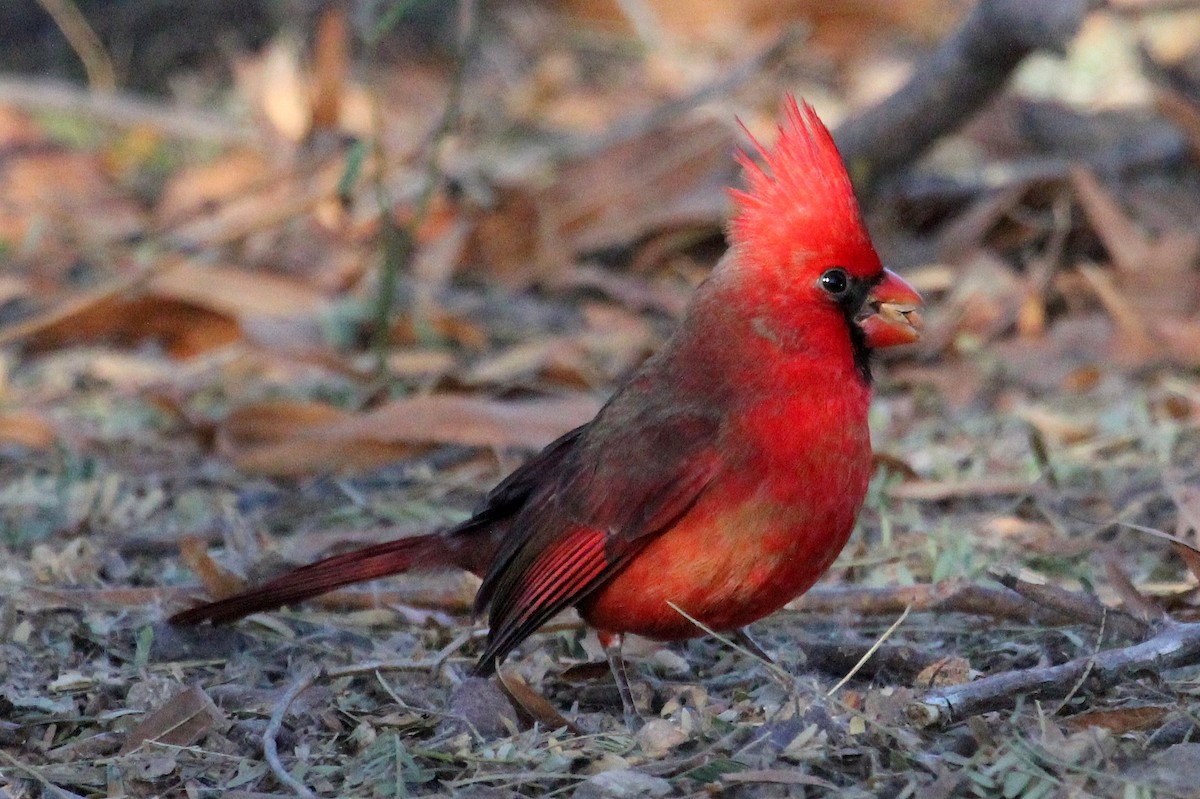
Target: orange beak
(891, 314)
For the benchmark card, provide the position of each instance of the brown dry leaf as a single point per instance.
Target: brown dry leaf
(1056, 427)
(34, 598)
(846, 27)
(27, 429)
(986, 301)
(1181, 337)
(1189, 556)
(1119, 721)
(674, 176)
(265, 206)
(1136, 342)
(1187, 504)
(947, 671)
(1155, 275)
(472, 421)
(534, 706)
(183, 328)
(218, 581)
(941, 490)
(329, 57)
(182, 720)
(54, 198)
(1127, 245)
(193, 190)
(292, 439)
(459, 330)
(1135, 602)
(239, 293)
(273, 421)
(512, 242)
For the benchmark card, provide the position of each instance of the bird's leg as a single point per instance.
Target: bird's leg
(612, 650)
(742, 638)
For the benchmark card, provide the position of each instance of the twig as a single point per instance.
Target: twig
(84, 41)
(1083, 607)
(971, 66)
(785, 679)
(399, 243)
(125, 111)
(310, 676)
(48, 788)
(271, 748)
(1175, 646)
(431, 663)
(837, 657)
(867, 655)
(86, 300)
(951, 596)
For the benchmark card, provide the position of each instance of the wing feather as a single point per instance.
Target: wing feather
(624, 480)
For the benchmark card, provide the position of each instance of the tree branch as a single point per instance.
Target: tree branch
(1175, 646)
(954, 82)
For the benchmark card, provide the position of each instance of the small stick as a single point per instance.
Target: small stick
(867, 655)
(271, 748)
(1175, 646)
(1082, 607)
(310, 676)
(124, 111)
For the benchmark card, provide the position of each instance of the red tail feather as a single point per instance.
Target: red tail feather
(393, 557)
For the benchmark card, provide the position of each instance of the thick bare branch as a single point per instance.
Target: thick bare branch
(957, 79)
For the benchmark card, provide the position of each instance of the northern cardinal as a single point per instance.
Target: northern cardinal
(724, 477)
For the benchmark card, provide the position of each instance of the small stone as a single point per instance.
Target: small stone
(481, 704)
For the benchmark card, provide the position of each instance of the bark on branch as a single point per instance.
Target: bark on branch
(954, 82)
(1174, 646)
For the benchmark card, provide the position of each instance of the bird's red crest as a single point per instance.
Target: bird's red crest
(801, 202)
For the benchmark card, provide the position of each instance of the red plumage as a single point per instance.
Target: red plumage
(725, 476)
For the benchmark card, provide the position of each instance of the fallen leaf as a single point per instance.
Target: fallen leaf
(671, 176)
(320, 439)
(947, 671)
(941, 490)
(1119, 721)
(535, 706)
(218, 581)
(182, 720)
(27, 429)
(183, 328)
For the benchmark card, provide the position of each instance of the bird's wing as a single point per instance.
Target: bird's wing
(624, 481)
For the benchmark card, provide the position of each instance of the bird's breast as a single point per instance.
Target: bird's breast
(748, 547)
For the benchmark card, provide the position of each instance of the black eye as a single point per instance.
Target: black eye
(835, 281)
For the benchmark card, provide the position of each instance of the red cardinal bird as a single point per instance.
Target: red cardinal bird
(724, 477)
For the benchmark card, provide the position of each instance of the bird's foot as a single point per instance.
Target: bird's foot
(743, 639)
(612, 650)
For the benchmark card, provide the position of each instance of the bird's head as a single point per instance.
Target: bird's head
(799, 239)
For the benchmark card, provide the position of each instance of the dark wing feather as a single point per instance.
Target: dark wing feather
(629, 476)
(474, 542)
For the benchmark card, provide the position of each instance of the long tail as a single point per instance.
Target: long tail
(392, 557)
